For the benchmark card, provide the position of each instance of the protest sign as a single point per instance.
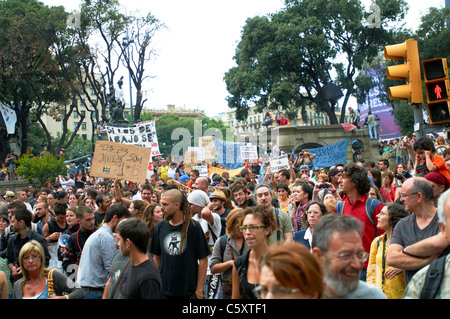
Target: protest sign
(327, 156)
(202, 169)
(279, 163)
(207, 143)
(249, 152)
(141, 135)
(118, 160)
(200, 151)
(190, 157)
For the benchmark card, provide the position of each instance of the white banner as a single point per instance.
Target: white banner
(141, 135)
(202, 169)
(10, 118)
(249, 152)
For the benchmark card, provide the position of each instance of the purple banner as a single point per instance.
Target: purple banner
(387, 128)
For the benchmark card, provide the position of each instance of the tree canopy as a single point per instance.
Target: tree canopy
(286, 58)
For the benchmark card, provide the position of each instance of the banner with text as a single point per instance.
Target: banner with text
(249, 152)
(118, 160)
(229, 153)
(328, 156)
(140, 135)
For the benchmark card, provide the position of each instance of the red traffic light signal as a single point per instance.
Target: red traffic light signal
(438, 90)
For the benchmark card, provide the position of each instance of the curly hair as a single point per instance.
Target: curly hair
(358, 176)
(396, 212)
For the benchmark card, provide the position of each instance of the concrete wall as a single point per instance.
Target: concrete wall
(15, 186)
(290, 137)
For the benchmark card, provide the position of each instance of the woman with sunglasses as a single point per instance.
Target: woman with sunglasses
(256, 228)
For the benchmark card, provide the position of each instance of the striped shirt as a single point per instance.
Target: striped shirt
(414, 288)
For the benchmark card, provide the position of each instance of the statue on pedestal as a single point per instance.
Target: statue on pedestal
(116, 106)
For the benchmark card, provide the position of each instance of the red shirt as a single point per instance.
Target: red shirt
(358, 210)
(282, 122)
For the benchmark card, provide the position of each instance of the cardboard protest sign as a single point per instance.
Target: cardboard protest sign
(118, 160)
(279, 163)
(141, 135)
(207, 143)
(190, 157)
(200, 152)
(202, 169)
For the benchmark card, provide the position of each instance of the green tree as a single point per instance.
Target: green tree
(168, 123)
(29, 73)
(45, 168)
(285, 59)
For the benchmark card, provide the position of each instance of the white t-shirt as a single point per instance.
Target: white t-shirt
(216, 227)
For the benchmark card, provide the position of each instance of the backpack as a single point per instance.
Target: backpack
(371, 205)
(433, 279)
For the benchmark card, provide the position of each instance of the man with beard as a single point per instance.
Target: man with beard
(179, 249)
(337, 244)
(103, 202)
(285, 229)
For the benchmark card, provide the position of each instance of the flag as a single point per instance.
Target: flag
(10, 118)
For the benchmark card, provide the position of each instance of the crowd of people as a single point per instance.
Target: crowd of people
(356, 230)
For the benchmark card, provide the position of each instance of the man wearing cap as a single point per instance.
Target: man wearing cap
(218, 200)
(211, 225)
(439, 182)
(9, 196)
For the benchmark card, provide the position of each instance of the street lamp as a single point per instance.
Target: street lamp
(126, 43)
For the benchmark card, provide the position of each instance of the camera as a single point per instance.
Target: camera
(403, 175)
(323, 186)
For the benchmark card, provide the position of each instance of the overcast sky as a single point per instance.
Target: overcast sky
(198, 46)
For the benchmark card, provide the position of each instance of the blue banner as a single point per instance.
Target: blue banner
(229, 153)
(330, 155)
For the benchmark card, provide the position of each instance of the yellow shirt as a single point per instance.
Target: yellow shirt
(393, 288)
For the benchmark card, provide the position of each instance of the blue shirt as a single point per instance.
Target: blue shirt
(96, 257)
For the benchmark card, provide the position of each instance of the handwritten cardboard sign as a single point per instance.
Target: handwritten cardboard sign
(279, 163)
(123, 161)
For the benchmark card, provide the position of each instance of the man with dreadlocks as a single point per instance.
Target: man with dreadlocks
(180, 249)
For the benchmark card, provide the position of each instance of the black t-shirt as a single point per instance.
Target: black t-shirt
(98, 218)
(179, 266)
(144, 282)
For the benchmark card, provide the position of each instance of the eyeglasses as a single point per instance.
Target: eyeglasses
(315, 213)
(348, 257)
(250, 227)
(404, 196)
(32, 257)
(278, 293)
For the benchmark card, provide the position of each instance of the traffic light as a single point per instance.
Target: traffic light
(437, 89)
(407, 51)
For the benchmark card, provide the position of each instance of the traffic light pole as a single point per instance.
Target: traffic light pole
(418, 120)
